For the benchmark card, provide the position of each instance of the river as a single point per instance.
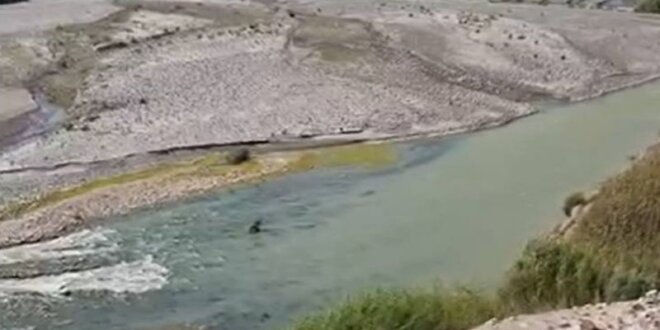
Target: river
(457, 209)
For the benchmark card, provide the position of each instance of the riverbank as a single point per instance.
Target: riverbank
(158, 76)
(67, 209)
(418, 210)
(597, 270)
(154, 79)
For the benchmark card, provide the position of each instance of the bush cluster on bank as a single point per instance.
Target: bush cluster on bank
(612, 254)
(557, 275)
(648, 6)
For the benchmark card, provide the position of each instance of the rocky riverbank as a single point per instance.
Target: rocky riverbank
(640, 314)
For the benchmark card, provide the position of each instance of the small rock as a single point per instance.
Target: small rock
(651, 295)
(587, 325)
(638, 307)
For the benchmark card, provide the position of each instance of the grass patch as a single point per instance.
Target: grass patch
(368, 155)
(406, 309)
(648, 6)
(559, 275)
(623, 224)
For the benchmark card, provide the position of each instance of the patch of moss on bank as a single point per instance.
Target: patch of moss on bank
(17, 209)
(215, 165)
(368, 155)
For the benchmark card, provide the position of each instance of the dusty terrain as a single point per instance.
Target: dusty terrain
(166, 77)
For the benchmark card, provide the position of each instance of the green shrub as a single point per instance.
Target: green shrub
(628, 285)
(550, 275)
(558, 275)
(648, 6)
(572, 201)
(406, 309)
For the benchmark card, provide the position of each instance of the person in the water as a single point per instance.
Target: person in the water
(256, 227)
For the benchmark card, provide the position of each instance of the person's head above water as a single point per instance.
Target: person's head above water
(256, 227)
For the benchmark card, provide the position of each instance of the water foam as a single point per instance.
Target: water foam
(82, 243)
(127, 277)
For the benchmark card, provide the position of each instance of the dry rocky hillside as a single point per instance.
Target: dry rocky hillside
(160, 76)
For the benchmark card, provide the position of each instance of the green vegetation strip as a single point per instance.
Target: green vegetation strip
(215, 165)
(17, 209)
(406, 309)
(648, 6)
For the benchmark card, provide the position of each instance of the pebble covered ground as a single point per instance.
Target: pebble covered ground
(641, 314)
